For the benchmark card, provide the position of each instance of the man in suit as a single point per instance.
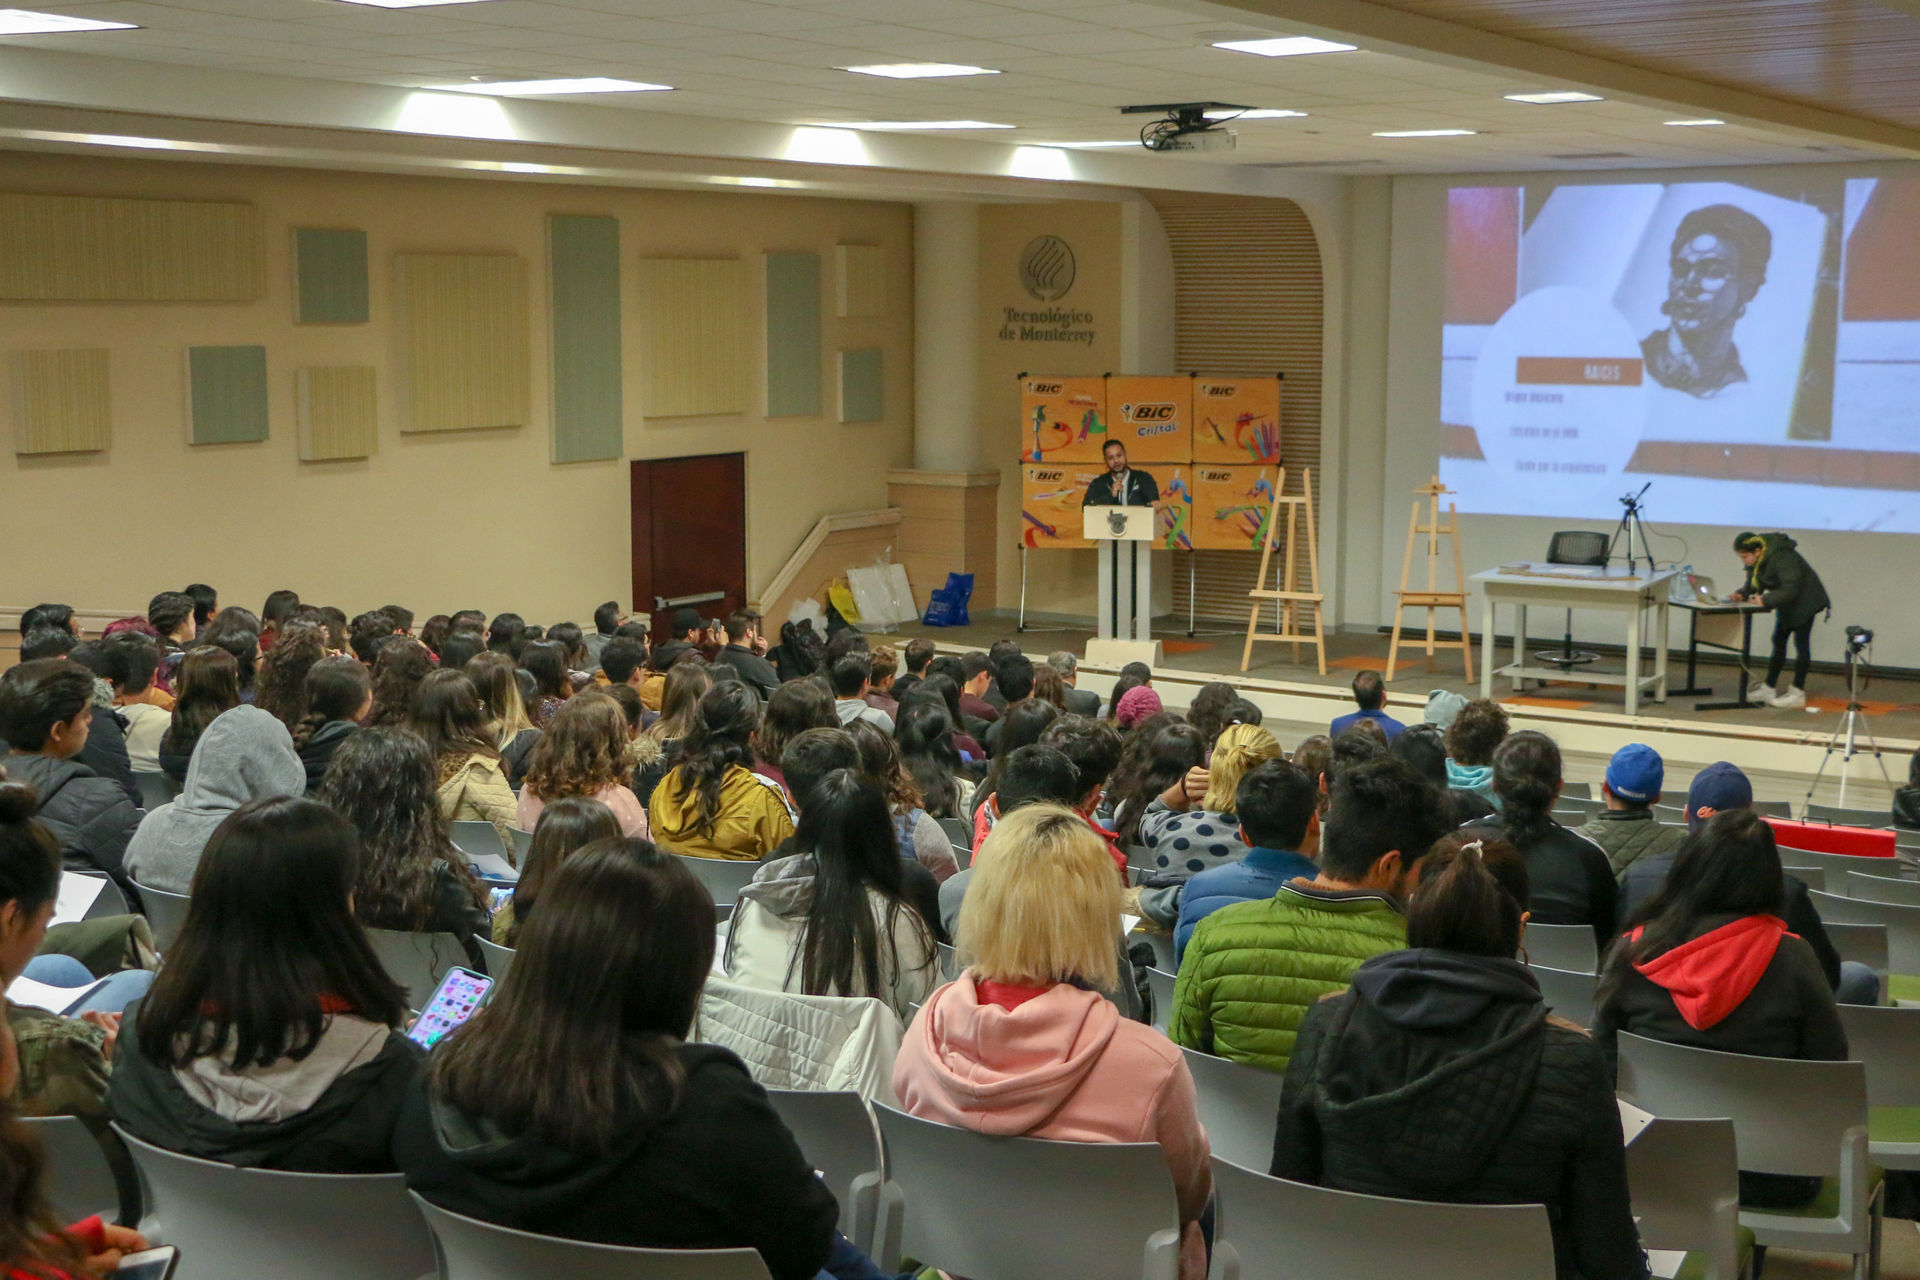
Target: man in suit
(1080, 702)
(1121, 486)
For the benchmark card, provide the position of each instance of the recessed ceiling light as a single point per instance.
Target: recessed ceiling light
(25, 22)
(920, 70)
(811, 144)
(406, 4)
(920, 124)
(1254, 113)
(1041, 162)
(1425, 133)
(1082, 146)
(454, 115)
(1285, 46)
(546, 88)
(1556, 96)
(1694, 124)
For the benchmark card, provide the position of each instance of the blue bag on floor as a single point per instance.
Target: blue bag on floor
(947, 606)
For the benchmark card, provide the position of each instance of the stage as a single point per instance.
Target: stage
(1781, 749)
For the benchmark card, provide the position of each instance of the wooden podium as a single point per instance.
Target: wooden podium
(1433, 597)
(1292, 593)
(1126, 584)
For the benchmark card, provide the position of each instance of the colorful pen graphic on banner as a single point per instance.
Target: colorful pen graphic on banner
(1236, 420)
(1175, 530)
(1063, 419)
(1231, 507)
(1050, 504)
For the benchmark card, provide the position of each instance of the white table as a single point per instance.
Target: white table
(1637, 594)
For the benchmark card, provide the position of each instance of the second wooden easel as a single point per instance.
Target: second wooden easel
(1292, 593)
(1433, 597)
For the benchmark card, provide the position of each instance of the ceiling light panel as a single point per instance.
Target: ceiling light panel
(1424, 133)
(919, 70)
(909, 125)
(26, 22)
(550, 88)
(1694, 124)
(1554, 97)
(1256, 113)
(1286, 46)
(406, 4)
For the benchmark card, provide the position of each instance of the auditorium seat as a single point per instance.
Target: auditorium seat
(499, 959)
(1561, 946)
(724, 879)
(417, 961)
(1845, 817)
(1567, 994)
(841, 1140)
(88, 1171)
(469, 1249)
(1684, 1179)
(166, 913)
(1239, 1105)
(1883, 1040)
(1160, 983)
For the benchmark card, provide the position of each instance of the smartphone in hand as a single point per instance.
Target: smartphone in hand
(148, 1264)
(457, 998)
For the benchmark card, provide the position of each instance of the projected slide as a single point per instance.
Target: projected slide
(1753, 351)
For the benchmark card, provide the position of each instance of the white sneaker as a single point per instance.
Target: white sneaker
(1790, 699)
(1760, 693)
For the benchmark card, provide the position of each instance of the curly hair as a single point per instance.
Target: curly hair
(386, 783)
(1476, 731)
(721, 741)
(1156, 755)
(397, 672)
(880, 762)
(583, 751)
(282, 685)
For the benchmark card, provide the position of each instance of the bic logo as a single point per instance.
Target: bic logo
(1218, 390)
(1045, 388)
(1049, 477)
(1046, 268)
(1147, 412)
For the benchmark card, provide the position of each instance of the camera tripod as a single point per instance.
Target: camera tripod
(1853, 725)
(1629, 523)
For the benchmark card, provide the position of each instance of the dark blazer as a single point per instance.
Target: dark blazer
(1141, 491)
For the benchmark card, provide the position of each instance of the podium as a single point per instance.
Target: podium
(1125, 602)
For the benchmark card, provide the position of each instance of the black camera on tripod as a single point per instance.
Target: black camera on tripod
(1858, 638)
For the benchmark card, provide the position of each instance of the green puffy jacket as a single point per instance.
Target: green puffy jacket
(1252, 970)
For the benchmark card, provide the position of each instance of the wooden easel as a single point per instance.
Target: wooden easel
(1292, 594)
(1433, 597)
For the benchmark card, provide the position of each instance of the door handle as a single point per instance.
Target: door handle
(675, 602)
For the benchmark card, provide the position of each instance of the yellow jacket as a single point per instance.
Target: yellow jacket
(752, 822)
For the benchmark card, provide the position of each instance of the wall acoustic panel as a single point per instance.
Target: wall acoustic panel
(227, 394)
(60, 401)
(793, 334)
(103, 249)
(693, 337)
(860, 280)
(464, 340)
(584, 279)
(329, 276)
(862, 393)
(338, 410)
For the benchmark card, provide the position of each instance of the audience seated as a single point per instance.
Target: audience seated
(494, 678)
(1477, 728)
(282, 687)
(1906, 800)
(1567, 874)
(743, 652)
(565, 827)
(339, 699)
(711, 805)
(105, 750)
(606, 620)
(207, 684)
(1013, 678)
(884, 668)
(1708, 962)
(1020, 727)
(832, 918)
(794, 708)
(583, 753)
(918, 835)
(1136, 706)
(1277, 811)
(1079, 702)
(139, 711)
(1253, 969)
(852, 677)
(1207, 710)
(546, 662)
(411, 878)
(925, 736)
(46, 711)
(1424, 746)
(1628, 831)
(679, 705)
(245, 755)
(449, 716)
(1033, 775)
(572, 1104)
(975, 680)
(271, 1038)
(1092, 747)
(1191, 826)
(1021, 1045)
(938, 684)
(1439, 1075)
(1155, 756)
(238, 632)
(398, 669)
(1370, 695)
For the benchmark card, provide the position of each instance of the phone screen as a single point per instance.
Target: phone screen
(498, 897)
(152, 1264)
(459, 994)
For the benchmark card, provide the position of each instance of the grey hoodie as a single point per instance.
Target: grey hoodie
(245, 754)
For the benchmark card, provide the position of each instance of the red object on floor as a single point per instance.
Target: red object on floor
(1818, 837)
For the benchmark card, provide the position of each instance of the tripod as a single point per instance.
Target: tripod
(1853, 723)
(1630, 522)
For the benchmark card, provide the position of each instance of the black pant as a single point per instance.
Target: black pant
(1802, 652)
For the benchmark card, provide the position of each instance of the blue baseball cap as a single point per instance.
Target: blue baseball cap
(1636, 773)
(1719, 787)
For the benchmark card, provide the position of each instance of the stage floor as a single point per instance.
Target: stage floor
(1892, 706)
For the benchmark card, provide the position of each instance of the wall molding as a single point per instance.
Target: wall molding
(823, 528)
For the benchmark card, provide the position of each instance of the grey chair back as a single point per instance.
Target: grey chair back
(1849, 817)
(1902, 923)
(949, 961)
(1266, 1227)
(476, 838)
(230, 1222)
(155, 789)
(1561, 946)
(417, 961)
(1238, 1107)
(1876, 888)
(1578, 791)
(522, 846)
(1837, 865)
(1673, 813)
(108, 900)
(1862, 943)
(1160, 940)
(1773, 808)
(1160, 984)
(724, 879)
(166, 912)
(1571, 811)
(841, 1140)
(1138, 855)
(88, 1170)
(1883, 1041)
(959, 834)
(1568, 995)
(1055, 1208)
(499, 959)
(469, 1249)
(1684, 1180)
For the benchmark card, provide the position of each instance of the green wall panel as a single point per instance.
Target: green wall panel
(584, 264)
(330, 276)
(793, 334)
(862, 393)
(227, 392)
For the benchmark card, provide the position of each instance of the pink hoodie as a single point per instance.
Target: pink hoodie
(1064, 1065)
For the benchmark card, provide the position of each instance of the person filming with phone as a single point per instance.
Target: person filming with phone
(1779, 578)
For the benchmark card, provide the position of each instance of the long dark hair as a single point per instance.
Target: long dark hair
(1526, 778)
(925, 736)
(269, 937)
(238, 632)
(546, 661)
(1157, 754)
(448, 716)
(207, 684)
(1424, 746)
(282, 687)
(337, 688)
(402, 664)
(792, 709)
(385, 782)
(721, 740)
(29, 853)
(1020, 727)
(1731, 866)
(578, 1048)
(1473, 889)
(1210, 710)
(948, 691)
(565, 827)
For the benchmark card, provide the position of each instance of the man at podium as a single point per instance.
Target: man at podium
(1122, 486)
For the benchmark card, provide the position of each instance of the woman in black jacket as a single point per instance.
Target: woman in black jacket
(1570, 877)
(339, 699)
(271, 1037)
(1708, 962)
(572, 1105)
(1440, 1075)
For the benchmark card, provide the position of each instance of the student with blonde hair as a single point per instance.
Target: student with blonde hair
(1192, 827)
(1038, 928)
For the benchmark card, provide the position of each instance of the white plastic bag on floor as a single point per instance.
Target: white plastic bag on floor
(883, 594)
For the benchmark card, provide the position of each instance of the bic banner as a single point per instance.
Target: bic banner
(1236, 420)
(1230, 507)
(1050, 503)
(1175, 526)
(1063, 420)
(1153, 417)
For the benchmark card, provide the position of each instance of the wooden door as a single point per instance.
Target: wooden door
(689, 535)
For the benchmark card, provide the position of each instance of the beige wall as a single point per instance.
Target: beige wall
(469, 519)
